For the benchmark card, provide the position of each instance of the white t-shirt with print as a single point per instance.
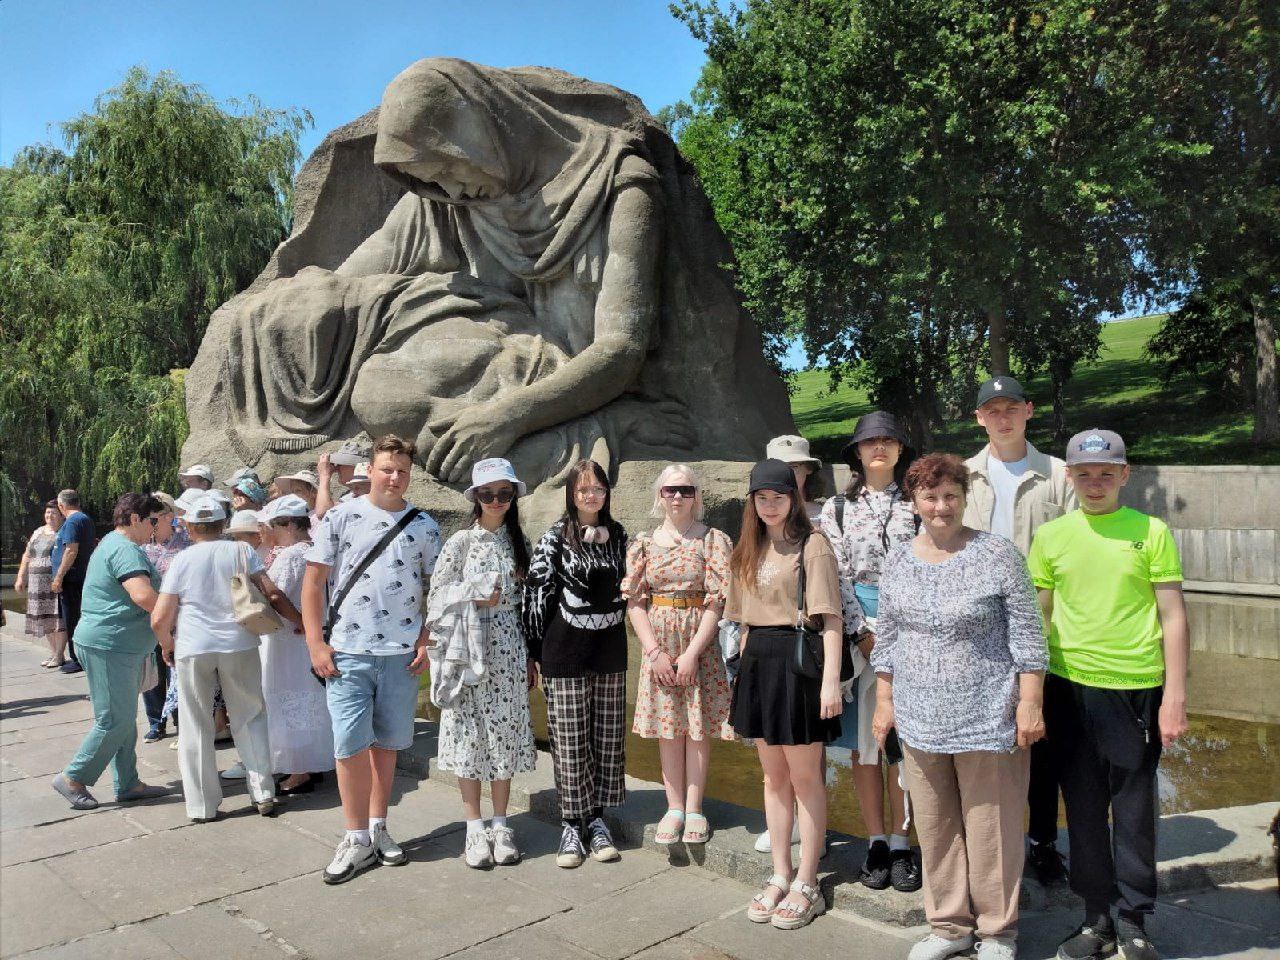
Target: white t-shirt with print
(200, 577)
(1005, 479)
(382, 614)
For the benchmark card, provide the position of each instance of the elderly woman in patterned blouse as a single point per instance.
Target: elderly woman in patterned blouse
(960, 658)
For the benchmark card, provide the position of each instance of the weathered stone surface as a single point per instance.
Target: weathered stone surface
(497, 263)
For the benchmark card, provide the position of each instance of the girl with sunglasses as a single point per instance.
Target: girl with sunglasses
(486, 731)
(573, 618)
(675, 586)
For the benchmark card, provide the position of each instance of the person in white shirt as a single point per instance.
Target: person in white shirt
(1013, 489)
(375, 646)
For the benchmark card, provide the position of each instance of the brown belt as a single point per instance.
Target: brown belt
(681, 602)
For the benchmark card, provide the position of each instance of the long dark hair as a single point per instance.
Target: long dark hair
(511, 520)
(745, 561)
(570, 521)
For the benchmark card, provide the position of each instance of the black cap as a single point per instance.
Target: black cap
(772, 475)
(1001, 387)
(881, 423)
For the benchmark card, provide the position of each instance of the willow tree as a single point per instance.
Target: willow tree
(114, 250)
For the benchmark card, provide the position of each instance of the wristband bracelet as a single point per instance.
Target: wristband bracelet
(653, 654)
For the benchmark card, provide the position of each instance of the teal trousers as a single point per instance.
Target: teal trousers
(114, 679)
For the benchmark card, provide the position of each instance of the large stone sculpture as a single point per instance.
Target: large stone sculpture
(496, 262)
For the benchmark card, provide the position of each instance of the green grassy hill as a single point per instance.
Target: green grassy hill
(1162, 421)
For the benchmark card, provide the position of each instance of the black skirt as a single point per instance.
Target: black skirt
(770, 701)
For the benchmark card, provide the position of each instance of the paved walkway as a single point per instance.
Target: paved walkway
(142, 882)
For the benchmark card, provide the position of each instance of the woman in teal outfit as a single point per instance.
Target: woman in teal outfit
(113, 641)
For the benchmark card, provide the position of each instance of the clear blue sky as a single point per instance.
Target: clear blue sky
(332, 57)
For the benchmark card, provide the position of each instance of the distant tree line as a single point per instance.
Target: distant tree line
(920, 189)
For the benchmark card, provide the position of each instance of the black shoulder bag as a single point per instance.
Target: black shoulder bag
(809, 654)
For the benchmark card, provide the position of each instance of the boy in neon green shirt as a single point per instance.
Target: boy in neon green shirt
(1110, 584)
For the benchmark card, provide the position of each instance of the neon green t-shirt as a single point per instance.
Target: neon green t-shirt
(1101, 569)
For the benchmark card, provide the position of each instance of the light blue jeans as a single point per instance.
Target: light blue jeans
(114, 679)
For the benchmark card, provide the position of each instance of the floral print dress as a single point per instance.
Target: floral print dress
(488, 735)
(699, 711)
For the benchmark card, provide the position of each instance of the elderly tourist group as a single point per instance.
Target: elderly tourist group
(979, 634)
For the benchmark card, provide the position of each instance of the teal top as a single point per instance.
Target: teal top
(109, 619)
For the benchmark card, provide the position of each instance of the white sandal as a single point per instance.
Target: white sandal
(762, 905)
(800, 916)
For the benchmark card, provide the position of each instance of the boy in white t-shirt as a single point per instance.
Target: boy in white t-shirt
(377, 645)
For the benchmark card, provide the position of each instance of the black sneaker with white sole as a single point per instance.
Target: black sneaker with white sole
(349, 859)
(601, 842)
(571, 852)
(1093, 939)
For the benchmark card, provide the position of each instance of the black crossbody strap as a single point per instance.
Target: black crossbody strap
(800, 587)
(410, 515)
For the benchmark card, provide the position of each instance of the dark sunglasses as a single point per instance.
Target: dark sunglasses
(685, 490)
(502, 496)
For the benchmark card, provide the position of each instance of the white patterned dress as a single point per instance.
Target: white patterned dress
(488, 734)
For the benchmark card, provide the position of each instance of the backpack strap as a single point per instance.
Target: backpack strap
(839, 502)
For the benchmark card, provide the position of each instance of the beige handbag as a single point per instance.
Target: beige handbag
(252, 611)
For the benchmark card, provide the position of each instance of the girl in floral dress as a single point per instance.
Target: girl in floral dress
(675, 585)
(35, 576)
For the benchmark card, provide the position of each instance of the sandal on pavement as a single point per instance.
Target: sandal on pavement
(668, 834)
(762, 904)
(696, 828)
(795, 915)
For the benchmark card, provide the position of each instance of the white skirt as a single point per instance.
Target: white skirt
(298, 723)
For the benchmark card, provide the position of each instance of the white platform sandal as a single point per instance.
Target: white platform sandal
(797, 917)
(763, 905)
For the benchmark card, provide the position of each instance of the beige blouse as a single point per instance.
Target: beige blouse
(773, 601)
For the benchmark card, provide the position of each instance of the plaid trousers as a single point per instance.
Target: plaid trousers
(586, 725)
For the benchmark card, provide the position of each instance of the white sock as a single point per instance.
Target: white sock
(376, 822)
(475, 826)
(499, 821)
(899, 843)
(359, 836)
(878, 836)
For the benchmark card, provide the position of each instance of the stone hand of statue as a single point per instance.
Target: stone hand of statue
(485, 430)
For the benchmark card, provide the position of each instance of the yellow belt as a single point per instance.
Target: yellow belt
(680, 603)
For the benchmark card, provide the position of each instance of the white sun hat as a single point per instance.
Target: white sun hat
(361, 475)
(309, 477)
(189, 496)
(244, 521)
(198, 470)
(790, 450)
(287, 506)
(491, 471)
(205, 509)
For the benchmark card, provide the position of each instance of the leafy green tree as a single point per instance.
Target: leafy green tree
(115, 251)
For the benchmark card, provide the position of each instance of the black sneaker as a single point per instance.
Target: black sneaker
(154, 735)
(1047, 862)
(1095, 938)
(1132, 942)
(875, 870)
(601, 842)
(904, 872)
(571, 852)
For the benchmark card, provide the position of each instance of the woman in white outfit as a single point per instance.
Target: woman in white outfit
(481, 672)
(210, 646)
(298, 722)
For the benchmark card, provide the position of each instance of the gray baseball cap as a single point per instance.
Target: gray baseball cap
(1003, 386)
(1096, 446)
(352, 453)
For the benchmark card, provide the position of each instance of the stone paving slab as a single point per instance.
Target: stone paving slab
(39, 908)
(81, 833)
(534, 942)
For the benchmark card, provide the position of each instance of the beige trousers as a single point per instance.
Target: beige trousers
(968, 811)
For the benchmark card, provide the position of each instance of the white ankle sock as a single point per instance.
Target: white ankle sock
(899, 843)
(499, 821)
(375, 822)
(359, 836)
(878, 836)
(475, 826)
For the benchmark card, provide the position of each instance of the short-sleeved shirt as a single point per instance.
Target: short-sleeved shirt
(1102, 568)
(382, 613)
(77, 528)
(109, 619)
(200, 577)
(772, 603)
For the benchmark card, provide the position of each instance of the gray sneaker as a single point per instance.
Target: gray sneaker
(80, 799)
(478, 852)
(349, 859)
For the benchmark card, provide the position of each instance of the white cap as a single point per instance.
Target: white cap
(241, 474)
(198, 470)
(189, 496)
(205, 509)
(287, 506)
(491, 471)
(303, 476)
(244, 521)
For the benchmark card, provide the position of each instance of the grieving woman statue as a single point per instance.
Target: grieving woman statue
(542, 281)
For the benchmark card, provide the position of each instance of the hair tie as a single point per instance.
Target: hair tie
(595, 534)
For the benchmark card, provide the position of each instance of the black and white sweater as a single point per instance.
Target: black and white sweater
(572, 608)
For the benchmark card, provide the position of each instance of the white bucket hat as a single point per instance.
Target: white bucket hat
(790, 450)
(303, 476)
(361, 475)
(198, 470)
(205, 509)
(244, 521)
(491, 471)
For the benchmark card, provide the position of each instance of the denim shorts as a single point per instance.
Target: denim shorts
(372, 703)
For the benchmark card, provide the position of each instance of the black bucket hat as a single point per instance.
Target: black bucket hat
(772, 475)
(881, 423)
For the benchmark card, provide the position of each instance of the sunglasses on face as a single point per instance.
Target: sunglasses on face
(685, 490)
(590, 492)
(502, 496)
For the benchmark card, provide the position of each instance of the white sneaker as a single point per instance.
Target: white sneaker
(478, 852)
(764, 846)
(996, 950)
(934, 947)
(349, 859)
(388, 851)
(235, 772)
(505, 851)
